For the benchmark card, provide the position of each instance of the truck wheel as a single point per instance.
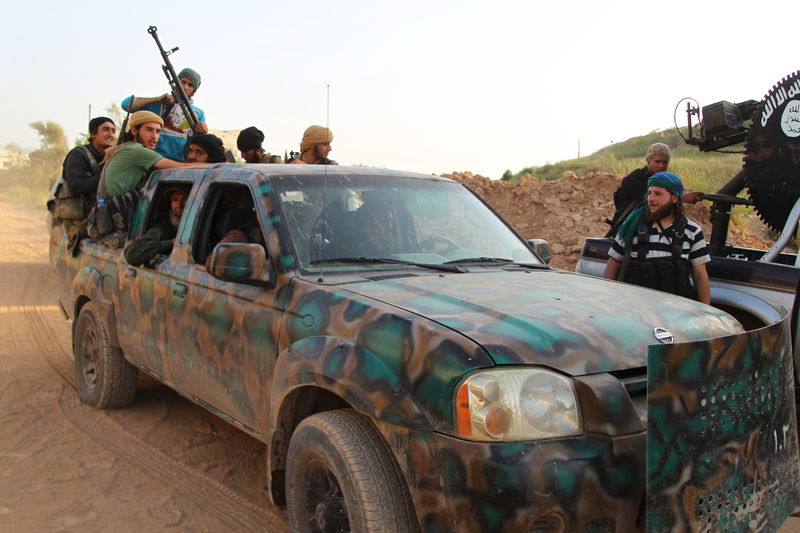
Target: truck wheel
(341, 476)
(104, 378)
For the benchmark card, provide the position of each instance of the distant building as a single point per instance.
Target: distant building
(12, 157)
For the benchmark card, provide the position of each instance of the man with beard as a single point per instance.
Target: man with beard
(315, 147)
(634, 186)
(658, 247)
(160, 238)
(175, 124)
(80, 175)
(250, 142)
(204, 148)
(126, 169)
(127, 164)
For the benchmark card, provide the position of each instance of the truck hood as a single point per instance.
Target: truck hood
(573, 323)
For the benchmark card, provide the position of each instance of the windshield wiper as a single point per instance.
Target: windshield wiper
(484, 259)
(478, 260)
(387, 260)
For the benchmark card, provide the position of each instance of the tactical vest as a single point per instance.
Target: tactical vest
(113, 215)
(69, 206)
(668, 274)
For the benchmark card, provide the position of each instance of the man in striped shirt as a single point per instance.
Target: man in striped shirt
(658, 247)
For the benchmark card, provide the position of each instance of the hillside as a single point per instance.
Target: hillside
(699, 171)
(567, 210)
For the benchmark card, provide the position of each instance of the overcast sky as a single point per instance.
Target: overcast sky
(416, 85)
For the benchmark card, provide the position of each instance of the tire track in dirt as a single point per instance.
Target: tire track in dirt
(205, 492)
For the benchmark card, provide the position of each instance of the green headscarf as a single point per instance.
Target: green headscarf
(666, 180)
(192, 75)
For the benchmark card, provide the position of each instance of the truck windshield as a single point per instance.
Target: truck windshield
(371, 222)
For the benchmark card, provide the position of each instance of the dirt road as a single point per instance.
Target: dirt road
(162, 465)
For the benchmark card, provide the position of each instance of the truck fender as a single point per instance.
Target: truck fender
(757, 307)
(90, 285)
(352, 373)
(349, 374)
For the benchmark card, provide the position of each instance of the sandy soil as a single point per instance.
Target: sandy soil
(163, 464)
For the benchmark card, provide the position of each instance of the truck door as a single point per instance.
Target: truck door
(222, 335)
(144, 278)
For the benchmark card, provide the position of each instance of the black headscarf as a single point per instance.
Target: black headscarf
(210, 143)
(96, 122)
(250, 139)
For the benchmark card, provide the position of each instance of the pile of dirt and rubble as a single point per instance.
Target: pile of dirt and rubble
(566, 211)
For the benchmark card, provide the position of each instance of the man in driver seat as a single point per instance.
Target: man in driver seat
(375, 229)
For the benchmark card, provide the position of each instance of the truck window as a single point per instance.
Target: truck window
(229, 215)
(341, 219)
(161, 206)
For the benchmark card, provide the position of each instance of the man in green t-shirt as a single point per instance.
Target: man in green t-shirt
(125, 173)
(129, 163)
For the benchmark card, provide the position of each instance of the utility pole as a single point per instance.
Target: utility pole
(579, 147)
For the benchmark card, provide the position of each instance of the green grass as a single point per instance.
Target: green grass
(700, 171)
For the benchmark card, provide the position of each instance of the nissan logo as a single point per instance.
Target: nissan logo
(663, 336)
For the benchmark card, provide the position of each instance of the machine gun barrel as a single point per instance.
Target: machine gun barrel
(175, 85)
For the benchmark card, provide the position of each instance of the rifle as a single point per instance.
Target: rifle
(177, 89)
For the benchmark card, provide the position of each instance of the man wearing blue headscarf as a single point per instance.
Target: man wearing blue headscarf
(176, 126)
(658, 247)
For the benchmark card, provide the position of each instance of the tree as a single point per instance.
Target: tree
(46, 161)
(115, 113)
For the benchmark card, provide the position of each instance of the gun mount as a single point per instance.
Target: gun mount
(723, 124)
(770, 131)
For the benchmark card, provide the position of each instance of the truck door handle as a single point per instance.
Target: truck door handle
(130, 273)
(180, 290)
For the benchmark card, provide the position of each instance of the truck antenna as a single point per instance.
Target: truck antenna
(325, 177)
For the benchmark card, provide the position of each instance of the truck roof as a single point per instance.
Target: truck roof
(290, 169)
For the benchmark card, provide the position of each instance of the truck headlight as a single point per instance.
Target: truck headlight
(517, 404)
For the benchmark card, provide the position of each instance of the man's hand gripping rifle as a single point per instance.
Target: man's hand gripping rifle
(177, 89)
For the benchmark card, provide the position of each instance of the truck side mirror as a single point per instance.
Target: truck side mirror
(542, 248)
(241, 263)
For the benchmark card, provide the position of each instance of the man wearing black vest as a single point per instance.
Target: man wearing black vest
(80, 174)
(658, 247)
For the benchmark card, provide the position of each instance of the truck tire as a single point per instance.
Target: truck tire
(341, 476)
(103, 378)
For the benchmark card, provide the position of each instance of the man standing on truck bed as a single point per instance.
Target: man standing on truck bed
(204, 148)
(126, 169)
(315, 147)
(633, 188)
(174, 123)
(249, 142)
(130, 162)
(80, 174)
(658, 247)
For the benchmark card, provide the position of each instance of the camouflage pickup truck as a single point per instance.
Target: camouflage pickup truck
(413, 365)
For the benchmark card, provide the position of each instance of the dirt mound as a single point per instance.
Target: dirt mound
(566, 211)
